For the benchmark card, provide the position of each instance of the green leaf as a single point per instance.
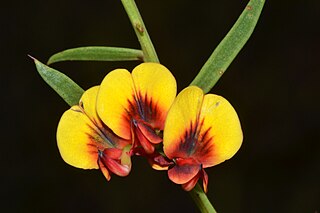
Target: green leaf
(97, 54)
(229, 47)
(62, 84)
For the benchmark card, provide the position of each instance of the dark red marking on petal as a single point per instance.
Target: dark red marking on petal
(195, 142)
(145, 110)
(103, 132)
(146, 118)
(93, 149)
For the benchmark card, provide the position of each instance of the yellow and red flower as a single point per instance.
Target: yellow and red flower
(135, 105)
(200, 131)
(85, 142)
(127, 113)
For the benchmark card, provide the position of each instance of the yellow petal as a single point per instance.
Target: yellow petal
(154, 84)
(75, 143)
(222, 124)
(113, 101)
(182, 115)
(205, 128)
(88, 103)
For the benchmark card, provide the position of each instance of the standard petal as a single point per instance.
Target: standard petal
(114, 102)
(221, 135)
(77, 138)
(88, 103)
(184, 170)
(156, 89)
(181, 123)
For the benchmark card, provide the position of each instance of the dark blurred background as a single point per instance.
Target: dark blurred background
(273, 84)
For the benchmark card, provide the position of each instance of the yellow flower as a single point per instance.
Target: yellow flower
(85, 142)
(135, 105)
(200, 131)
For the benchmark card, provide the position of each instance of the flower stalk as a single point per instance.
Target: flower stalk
(201, 200)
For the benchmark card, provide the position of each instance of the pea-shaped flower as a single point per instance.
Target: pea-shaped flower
(135, 105)
(200, 131)
(85, 142)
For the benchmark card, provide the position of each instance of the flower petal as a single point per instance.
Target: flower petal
(113, 102)
(182, 118)
(104, 169)
(88, 103)
(76, 139)
(221, 134)
(205, 181)
(205, 128)
(156, 89)
(184, 170)
(159, 162)
(149, 133)
(115, 166)
(144, 142)
(188, 186)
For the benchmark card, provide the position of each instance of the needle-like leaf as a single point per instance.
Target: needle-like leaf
(229, 47)
(97, 54)
(62, 84)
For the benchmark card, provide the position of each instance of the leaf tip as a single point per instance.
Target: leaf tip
(33, 58)
(50, 61)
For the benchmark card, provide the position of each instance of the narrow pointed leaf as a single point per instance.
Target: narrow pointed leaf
(62, 84)
(97, 54)
(229, 47)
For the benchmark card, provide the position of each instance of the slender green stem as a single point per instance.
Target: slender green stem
(201, 200)
(149, 52)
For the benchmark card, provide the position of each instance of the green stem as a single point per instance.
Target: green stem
(149, 52)
(201, 200)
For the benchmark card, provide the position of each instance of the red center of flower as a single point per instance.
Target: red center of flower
(146, 119)
(195, 141)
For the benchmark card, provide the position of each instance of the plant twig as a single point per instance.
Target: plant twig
(201, 200)
(149, 52)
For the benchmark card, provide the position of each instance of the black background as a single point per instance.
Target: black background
(273, 84)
